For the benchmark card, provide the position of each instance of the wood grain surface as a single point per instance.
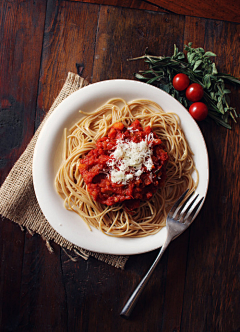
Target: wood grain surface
(196, 286)
(226, 10)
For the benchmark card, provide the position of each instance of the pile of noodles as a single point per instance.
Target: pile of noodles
(114, 220)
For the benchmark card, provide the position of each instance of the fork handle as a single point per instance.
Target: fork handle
(126, 311)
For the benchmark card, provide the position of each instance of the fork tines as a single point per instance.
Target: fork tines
(180, 211)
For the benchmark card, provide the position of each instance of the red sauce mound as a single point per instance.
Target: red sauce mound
(95, 167)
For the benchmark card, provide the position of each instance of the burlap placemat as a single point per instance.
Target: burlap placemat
(17, 197)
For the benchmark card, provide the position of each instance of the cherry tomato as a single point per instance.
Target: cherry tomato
(198, 111)
(180, 82)
(194, 92)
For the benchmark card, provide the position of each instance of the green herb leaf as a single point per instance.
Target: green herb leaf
(208, 54)
(214, 69)
(140, 77)
(197, 64)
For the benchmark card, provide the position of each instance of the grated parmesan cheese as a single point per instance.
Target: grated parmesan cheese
(128, 159)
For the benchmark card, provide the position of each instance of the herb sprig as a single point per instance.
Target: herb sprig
(198, 66)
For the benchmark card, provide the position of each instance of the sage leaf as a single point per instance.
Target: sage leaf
(214, 69)
(140, 77)
(208, 54)
(191, 57)
(197, 64)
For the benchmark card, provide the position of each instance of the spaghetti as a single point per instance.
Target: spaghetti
(150, 216)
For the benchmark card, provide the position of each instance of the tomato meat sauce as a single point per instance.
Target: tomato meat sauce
(128, 165)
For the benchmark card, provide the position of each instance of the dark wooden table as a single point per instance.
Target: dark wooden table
(196, 286)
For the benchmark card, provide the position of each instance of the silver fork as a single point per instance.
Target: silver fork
(178, 220)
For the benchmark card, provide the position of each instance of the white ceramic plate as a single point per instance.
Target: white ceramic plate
(48, 152)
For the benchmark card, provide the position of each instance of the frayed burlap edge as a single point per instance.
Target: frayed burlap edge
(17, 197)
